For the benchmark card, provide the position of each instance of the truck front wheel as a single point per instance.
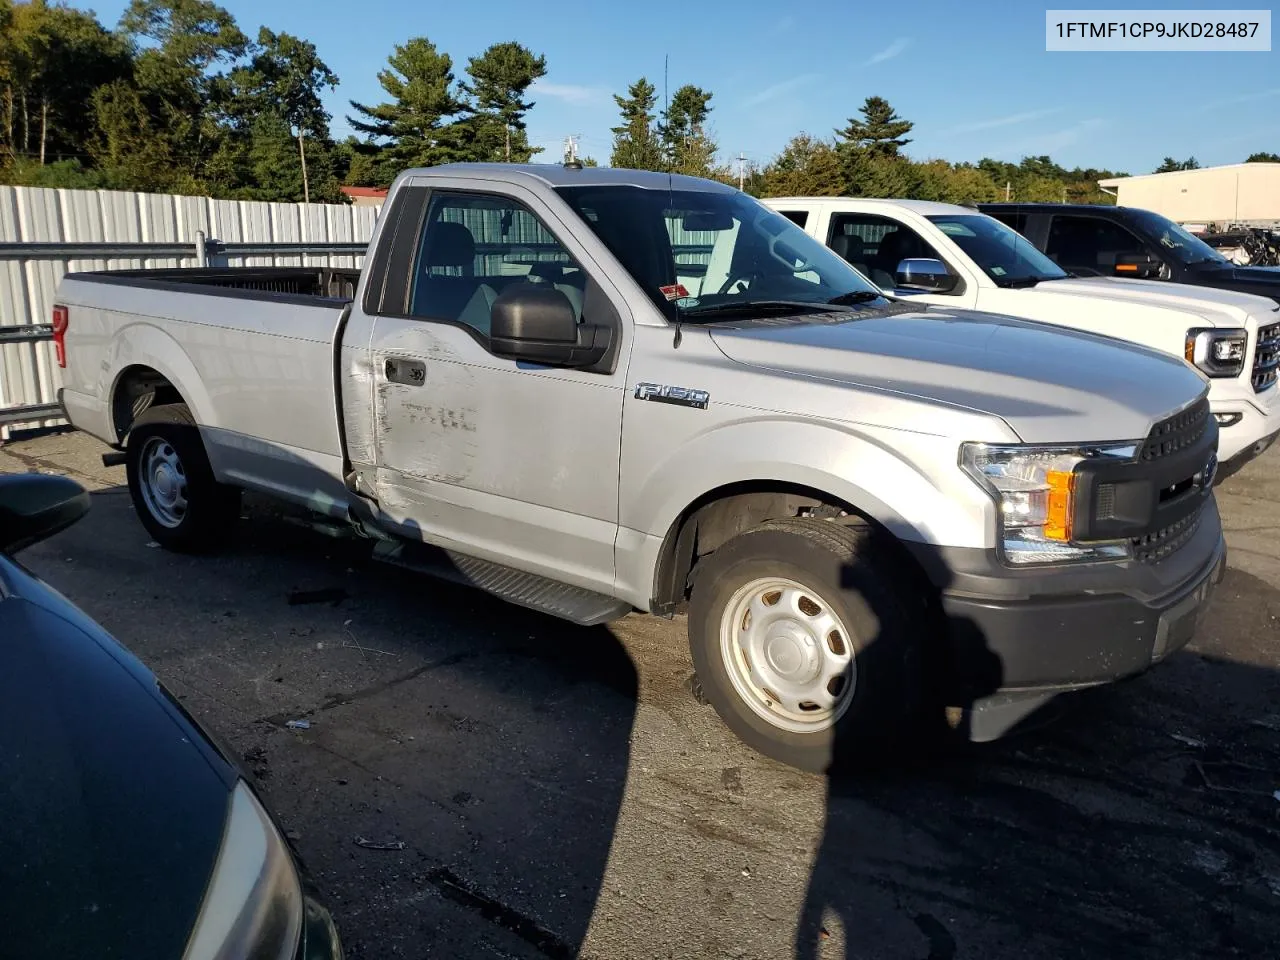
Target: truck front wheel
(171, 482)
(807, 642)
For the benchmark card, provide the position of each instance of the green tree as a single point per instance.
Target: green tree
(284, 81)
(635, 140)
(414, 124)
(126, 144)
(686, 146)
(870, 174)
(498, 80)
(1263, 158)
(181, 44)
(880, 132)
(806, 167)
(51, 60)
(1170, 165)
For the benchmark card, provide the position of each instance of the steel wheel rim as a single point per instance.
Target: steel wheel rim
(788, 654)
(162, 480)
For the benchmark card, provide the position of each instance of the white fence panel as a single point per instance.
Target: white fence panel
(29, 279)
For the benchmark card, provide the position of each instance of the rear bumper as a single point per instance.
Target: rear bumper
(88, 414)
(1016, 641)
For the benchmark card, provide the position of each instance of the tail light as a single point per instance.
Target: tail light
(61, 317)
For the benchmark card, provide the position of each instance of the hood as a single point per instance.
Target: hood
(113, 804)
(1219, 308)
(1049, 384)
(1265, 277)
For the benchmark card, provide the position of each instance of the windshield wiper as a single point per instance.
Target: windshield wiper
(754, 306)
(857, 296)
(1015, 283)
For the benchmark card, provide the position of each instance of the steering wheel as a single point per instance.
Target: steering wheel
(738, 277)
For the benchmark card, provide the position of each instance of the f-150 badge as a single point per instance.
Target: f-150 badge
(683, 396)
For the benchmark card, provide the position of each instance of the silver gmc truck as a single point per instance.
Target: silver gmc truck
(596, 391)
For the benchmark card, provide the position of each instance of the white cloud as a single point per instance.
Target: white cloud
(569, 92)
(889, 52)
(1051, 143)
(1242, 98)
(1011, 120)
(778, 90)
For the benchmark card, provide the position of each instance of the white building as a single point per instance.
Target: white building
(1235, 193)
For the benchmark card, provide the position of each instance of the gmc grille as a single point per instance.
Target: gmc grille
(1179, 431)
(1266, 357)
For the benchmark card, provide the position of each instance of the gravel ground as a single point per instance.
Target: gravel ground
(560, 793)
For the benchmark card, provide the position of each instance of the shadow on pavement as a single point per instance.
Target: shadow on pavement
(1142, 822)
(495, 744)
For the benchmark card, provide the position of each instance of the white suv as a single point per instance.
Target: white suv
(954, 256)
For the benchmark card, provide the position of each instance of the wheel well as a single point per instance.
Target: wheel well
(139, 388)
(722, 514)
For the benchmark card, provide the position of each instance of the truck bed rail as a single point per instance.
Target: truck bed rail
(330, 283)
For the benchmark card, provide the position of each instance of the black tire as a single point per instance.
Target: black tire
(211, 508)
(873, 593)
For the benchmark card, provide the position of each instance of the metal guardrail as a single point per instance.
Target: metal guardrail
(94, 251)
(203, 250)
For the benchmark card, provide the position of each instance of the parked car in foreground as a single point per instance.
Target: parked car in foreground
(953, 256)
(125, 832)
(593, 391)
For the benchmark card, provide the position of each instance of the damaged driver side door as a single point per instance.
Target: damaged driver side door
(501, 459)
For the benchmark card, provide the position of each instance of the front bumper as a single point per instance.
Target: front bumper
(1018, 638)
(1255, 428)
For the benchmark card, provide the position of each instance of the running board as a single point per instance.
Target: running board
(574, 604)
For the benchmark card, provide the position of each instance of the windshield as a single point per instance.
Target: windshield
(1006, 256)
(1174, 240)
(704, 252)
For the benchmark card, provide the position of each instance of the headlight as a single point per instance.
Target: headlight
(1218, 353)
(252, 908)
(1034, 489)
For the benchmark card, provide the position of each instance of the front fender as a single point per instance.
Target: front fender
(895, 485)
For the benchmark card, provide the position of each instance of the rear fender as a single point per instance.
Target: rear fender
(139, 344)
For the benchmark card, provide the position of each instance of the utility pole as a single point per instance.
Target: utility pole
(1008, 186)
(742, 171)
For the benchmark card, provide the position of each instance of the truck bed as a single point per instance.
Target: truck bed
(256, 283)
(250, 349)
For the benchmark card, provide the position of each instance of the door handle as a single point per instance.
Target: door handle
(411, 372)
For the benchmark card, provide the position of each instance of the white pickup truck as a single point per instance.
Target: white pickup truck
(596, 391)
(954, 256)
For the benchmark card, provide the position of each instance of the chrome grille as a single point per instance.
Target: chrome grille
(1177, 432)
(1266, 357)
(1159, 544)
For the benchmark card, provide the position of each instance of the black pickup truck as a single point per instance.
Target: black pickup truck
(1098, 241)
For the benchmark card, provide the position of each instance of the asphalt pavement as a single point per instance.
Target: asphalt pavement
(472, 780)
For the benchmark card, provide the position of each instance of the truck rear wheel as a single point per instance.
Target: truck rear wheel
(171, 482)
(807, 644)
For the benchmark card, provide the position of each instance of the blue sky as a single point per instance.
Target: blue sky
(973, 76)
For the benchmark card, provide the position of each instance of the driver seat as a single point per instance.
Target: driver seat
(894, 248)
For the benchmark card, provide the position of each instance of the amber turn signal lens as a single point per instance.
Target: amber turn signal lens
(1057, 523)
